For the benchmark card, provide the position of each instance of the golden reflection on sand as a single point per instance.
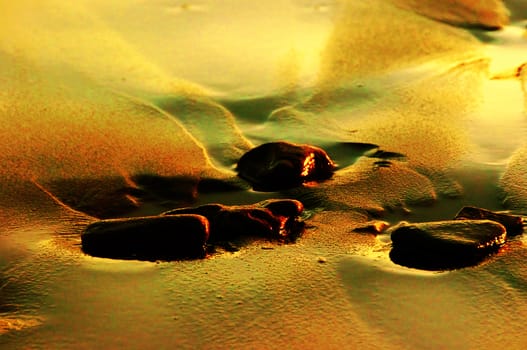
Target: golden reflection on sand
(94, 93)
(10, 324)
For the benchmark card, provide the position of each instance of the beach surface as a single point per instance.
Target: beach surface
(113, 109)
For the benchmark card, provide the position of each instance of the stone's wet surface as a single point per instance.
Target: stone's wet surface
(135, 102)
(148, 238)
(374, 227)
(277, 219)
(283, 207)
(513, 224)
(445, 245)
(281, 165)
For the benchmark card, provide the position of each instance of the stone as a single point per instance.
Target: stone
(277, 219)
(375, 227)
(208, 210)
(445, 245)
(152, 238)
(281, 165)
(513, 223)
(283, 207)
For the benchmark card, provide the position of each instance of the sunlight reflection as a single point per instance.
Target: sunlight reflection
(101, 100)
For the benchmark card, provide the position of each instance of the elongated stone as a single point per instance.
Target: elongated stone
(207, 210)
(444, 245)
(512, 223)
(275, 219)
(280, 165)
(283, 207)
(151, 238)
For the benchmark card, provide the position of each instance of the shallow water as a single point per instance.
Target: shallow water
(179, 91)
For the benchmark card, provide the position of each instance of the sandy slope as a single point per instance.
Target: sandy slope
(102, 91)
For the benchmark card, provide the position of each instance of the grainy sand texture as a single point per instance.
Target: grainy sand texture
(114, 109)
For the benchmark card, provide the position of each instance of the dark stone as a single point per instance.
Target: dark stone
(208, 210)
(283, 207)
(375, 227)
(445, 245)
(274, 219)
(235, 222)
(282, 165)
(151, 238)
(513, 224)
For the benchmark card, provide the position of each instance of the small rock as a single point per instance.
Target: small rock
(283, 207)
(445, 245)
(375, 227)
(512, 223)
(322, 260)
(148, 238)
(281, 165)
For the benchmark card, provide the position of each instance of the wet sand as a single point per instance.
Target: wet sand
(130, 116)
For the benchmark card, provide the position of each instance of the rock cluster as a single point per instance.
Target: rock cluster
(185, 233)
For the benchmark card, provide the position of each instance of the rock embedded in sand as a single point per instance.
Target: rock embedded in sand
(513, 224)
(445, 245)
(275, 219)
(280, 165)
(209, 211)
(148, 238)
(283, 207)
(374, 226)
